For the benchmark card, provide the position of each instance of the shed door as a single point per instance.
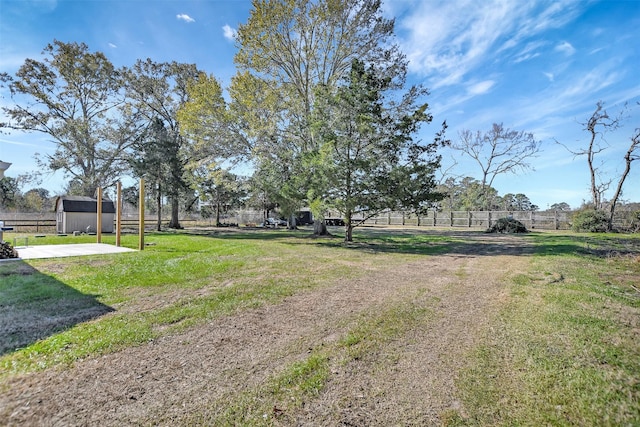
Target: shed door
(60, 222)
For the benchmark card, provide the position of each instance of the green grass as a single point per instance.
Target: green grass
(195, 277)
(565, 348)
(563, 351)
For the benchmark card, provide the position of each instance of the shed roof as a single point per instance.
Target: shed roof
(84, 204)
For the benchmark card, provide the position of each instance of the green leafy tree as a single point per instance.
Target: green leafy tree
(155, 150)
(468, 194)
(219, 189)
(562, 206)
(517, 202)
(206, 120)
(37, 200)
(288, 48)
(369, 159)
(76, 97)
(9, 192)
(157, 91)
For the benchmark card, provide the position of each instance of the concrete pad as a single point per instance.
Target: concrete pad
(58, 251)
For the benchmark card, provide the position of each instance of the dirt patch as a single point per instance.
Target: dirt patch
(411, 381)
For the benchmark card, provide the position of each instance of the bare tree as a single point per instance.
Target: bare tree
(631, 155)
(597, 126)
(498, 151)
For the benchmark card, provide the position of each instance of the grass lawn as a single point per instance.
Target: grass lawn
(564, 348)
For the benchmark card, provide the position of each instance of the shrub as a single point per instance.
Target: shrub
(507, 225)
(590, 221)
(7, 251)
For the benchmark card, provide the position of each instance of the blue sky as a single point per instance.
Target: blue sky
(536, 66)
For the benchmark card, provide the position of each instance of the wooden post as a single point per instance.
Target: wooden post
(99, 225)
(141, 216)
(118, 212)
(451, 219)
(469, 224)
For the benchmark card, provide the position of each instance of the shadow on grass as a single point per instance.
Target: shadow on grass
(34, 306)
(455, 242)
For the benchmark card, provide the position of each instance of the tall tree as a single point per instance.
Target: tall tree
(632, 154)
(498, 151)
(158, 91)
(75, 96)
(154, 150)
(206, 120)
(597, 126)
(219, 189)
(289, 47)
(369, 159)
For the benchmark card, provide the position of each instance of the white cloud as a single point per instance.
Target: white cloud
(549, 76)
(113, 46)
(566, 48)
(229, 33)
(186, 18)
(529, 51)
(446, 40)
(23, 144)
(480, 87)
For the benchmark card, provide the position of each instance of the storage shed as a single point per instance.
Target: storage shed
(80, 213)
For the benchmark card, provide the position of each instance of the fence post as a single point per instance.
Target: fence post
(99, 218)
(141, 216)
(556, 220)
(389, 218)
(532, 220)
(118, 212)
(450, 218)
(489, 219)
(435, 216)
(469, 219)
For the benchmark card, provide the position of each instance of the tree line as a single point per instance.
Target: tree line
(319, 110)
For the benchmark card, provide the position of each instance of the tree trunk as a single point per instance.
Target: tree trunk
(175, 204)
(159, 207)
(348, 227)
(291, 223)
(217, 214)
(320, 228)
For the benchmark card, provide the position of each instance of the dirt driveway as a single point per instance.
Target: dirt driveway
(193, 377)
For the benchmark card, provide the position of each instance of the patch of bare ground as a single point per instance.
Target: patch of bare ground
(410, 380)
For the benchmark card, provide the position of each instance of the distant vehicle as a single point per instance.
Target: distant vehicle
(274, 222)
(304, 218)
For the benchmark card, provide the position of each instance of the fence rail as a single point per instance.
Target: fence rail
(542, 220)
(553, 220)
